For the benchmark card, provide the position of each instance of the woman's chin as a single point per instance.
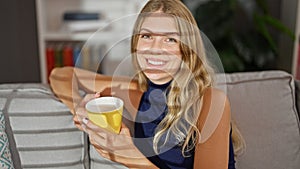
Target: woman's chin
(158, 78)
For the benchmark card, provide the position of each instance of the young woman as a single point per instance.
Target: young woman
(179, 119)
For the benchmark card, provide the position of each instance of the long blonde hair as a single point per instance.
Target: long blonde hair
(188, 85)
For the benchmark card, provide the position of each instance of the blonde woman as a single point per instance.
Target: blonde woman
(179, 119)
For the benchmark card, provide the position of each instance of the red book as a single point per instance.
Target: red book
(298, 63)
(67, 56)
(50, 59)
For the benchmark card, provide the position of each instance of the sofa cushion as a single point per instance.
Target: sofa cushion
(42, 127)
(5, 155)
(264, 108)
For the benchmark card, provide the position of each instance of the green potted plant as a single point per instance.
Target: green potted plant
(246, 44)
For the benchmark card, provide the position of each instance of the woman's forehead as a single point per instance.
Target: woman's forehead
(161, 24)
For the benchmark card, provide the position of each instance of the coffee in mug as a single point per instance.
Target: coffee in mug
(106, 112)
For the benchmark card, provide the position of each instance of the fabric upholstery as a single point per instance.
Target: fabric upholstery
(43, 129)
(5, 154)
(264, 107)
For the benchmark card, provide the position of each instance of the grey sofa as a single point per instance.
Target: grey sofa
(37, 130)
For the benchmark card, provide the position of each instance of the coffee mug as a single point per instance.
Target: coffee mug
(106, 112)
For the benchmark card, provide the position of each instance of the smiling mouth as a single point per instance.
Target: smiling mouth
(155, 62)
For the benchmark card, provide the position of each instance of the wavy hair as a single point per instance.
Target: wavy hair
(188, 85)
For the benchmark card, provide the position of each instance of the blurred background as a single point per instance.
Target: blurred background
(37, 35)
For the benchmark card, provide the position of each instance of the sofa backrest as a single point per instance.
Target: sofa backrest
(40, 129)
(263, 105)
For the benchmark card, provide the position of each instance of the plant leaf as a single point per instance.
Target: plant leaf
(278, 25)
(262, 4)
(262, 29)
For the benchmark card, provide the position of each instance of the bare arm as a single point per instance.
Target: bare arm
(214, 124)
(67, 81)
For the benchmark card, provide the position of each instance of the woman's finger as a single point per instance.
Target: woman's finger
(125, 130)
(77, 122)
(102, 150)
(80, 111)
(94, 127)
(91, 127)
(100, 140)
(97, 94)
(86, 99)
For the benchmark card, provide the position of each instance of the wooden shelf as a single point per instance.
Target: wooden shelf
(82, 36)
(50, 24)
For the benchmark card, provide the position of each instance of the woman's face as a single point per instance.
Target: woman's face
(158, 51)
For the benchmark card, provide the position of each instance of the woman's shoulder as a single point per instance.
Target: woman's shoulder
(214, 93)
(214, 97)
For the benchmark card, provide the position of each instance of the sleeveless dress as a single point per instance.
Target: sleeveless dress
(152, 110)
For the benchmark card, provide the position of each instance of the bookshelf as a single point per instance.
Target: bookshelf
(289, 58)
(50, 24)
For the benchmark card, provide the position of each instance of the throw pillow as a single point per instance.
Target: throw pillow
(5, 156)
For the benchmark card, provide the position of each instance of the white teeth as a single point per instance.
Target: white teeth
(157, 63)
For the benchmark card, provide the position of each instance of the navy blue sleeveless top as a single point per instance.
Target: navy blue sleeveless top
(151, 111)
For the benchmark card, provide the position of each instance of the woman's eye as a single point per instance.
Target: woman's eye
(145, 36)
(172, 40)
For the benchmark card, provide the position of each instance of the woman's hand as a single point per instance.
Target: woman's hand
(80, 112)
(116, 147)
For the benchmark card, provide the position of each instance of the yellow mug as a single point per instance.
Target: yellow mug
(106, 112)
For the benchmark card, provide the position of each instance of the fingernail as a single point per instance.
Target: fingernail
(85, 120)
(97, 94)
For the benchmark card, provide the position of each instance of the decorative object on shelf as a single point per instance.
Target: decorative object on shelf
(80, 15)
(79, 21)
(247, 46)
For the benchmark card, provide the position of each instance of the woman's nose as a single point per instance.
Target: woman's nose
(156, 43)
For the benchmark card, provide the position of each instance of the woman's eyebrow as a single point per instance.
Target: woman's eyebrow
(159, 33)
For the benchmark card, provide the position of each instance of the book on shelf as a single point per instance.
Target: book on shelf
(85, 57)
(76, 53)
(67, 56)
(60, 54)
